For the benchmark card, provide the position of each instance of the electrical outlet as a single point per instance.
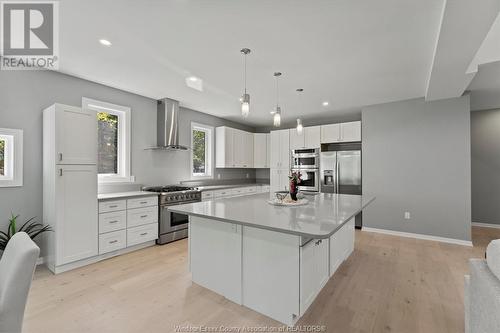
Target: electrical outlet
(248, 175)
(407, 215)
(218, 176)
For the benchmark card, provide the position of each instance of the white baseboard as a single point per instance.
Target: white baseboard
(419, 236)
(486, 225)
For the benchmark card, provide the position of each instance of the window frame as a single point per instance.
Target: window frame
(209, 151)
(13, 157)
(124, 138)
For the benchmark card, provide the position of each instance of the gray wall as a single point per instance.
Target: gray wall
(416, 158)
(23, 96)
(485, 148)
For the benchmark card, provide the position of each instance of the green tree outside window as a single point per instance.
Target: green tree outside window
(199, 152)
(2, 154)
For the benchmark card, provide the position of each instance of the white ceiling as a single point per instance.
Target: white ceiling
(351, 53)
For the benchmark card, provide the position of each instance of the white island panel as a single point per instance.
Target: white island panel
(215, 256)
(271, 273)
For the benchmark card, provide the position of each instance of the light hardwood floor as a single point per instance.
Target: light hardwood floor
(389, 284)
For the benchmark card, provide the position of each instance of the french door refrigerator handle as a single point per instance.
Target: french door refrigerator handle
(337, 178)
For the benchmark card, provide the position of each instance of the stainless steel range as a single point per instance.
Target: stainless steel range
(173, 226)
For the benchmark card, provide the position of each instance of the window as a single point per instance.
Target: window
(11, 157)
(201, 150)
(113, 129)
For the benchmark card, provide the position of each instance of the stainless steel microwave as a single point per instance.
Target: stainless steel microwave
(305, 158)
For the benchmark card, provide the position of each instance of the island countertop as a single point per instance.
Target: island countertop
(320, 218)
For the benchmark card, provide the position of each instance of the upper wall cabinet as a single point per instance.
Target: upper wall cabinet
(233, 148)
(310, 138)
(261, 150)
(72, 127)
(344, 132)
(280, 149)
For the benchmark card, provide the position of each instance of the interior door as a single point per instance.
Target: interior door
(76, 208)
(349, 172)
(76, 135)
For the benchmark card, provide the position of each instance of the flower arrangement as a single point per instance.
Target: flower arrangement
(295, 179)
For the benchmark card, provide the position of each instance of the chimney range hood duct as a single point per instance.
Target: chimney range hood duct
(168, 126)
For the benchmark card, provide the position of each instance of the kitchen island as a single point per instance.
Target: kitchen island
(272, 259)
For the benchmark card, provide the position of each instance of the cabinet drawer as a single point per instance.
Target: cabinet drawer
(112, 241)
(144, 233)
(207, 195)
(112, 221)
(112, 206)
(223, 193)
(142, 202)
(140, 216)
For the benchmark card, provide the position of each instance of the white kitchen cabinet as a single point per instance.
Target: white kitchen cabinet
(343, 132)
(233, 148)
(142, 234)
(351, 132)
(341, 245)
(310, 138)
(297, 141)
(112, 241)
(313, 271)
(72, 129)
(261, 150)
(280, 149)
(330, 133)
(76, 223)
(279, 180)
(224, 143)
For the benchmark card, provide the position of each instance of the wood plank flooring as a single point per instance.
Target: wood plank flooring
(389, 284)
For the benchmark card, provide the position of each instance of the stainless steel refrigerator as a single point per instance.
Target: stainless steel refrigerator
(340, 171)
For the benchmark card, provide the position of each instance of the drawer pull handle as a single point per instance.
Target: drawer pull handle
(144, 234)
(143, 216)
(115, 221)
(113, 241)
(144, 202)
(113, 206)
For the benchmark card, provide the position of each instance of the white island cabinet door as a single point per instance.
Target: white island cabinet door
(74, 128)
(215, 256)
(313, 271)
(76, 229)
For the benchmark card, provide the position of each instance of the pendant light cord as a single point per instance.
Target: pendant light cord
(277, 93)
(245, 73)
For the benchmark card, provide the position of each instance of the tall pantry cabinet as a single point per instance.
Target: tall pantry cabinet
(70, 184)
(280, 160)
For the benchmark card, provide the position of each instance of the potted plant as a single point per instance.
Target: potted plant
(31, 227)
(294, 181)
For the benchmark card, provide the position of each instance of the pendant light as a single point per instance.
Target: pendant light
(300, 128)
(277, 110)
(245, 98)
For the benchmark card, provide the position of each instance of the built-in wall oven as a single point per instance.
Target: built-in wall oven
(309, 179)
(305, 158)
(306, 161)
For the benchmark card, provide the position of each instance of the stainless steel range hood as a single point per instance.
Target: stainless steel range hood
(168, 126)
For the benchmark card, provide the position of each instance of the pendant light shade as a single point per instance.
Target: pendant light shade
(300, 128)
(277, 110)
(245, 98)
(277, 117)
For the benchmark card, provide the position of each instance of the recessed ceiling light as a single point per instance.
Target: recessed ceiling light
(105, 42)
(194, 83)
(325, 103)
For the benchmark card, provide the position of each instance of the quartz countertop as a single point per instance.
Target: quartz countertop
(320, 218)
(221, 187)
(122, 195)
